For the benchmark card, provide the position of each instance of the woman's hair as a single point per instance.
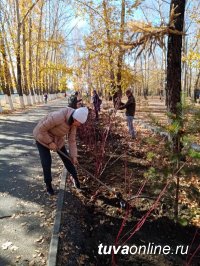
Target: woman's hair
(70, 120)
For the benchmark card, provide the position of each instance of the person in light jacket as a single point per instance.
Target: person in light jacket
(50, 134)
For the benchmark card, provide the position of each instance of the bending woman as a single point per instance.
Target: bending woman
(50, 134)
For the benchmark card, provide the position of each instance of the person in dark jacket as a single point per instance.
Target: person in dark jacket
(97, 103)
(45, 97)
(130, 112)
(74, 101)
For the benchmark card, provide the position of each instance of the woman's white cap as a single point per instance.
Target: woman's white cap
(81, 114)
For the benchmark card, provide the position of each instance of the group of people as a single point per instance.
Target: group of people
(75, 102)
(51, 131)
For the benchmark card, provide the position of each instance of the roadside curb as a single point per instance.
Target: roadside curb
(157, 130)
(53, 249)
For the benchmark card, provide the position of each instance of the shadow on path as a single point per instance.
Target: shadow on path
(26, 212)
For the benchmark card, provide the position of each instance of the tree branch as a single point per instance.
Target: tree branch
(97, 12)
(30, 9)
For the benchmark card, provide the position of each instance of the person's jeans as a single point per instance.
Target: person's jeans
(130, 125)
(45, 157)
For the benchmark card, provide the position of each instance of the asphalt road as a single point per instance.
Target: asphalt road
(24, 205)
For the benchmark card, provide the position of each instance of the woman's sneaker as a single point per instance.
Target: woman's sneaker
(50, 190)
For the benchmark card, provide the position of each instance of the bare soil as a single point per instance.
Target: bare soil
(139, 169)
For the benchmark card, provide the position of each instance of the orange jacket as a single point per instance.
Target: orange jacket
(54, 128)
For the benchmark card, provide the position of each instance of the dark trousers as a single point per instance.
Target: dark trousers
(45, 157)
(96, 113)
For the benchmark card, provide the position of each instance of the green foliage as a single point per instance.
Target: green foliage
(151, 156)
(151, 174)
(181, 129)
(151, 141)
(187, 214)
(183, 221)
(174, 128)
(194, 154)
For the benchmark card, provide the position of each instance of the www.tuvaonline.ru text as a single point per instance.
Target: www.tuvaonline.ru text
(151, 248)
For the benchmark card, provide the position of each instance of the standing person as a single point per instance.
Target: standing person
(117, 98)
(97, 103)
(45, 97)
(130, 112)
(109, 97)
(87, 97)
(50, 134)
(74, 100)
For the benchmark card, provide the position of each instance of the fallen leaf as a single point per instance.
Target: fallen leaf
(39, 239)
(23, 224)
(6, 245)
(31, 263)
(14, 248)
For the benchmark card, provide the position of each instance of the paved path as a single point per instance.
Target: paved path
(26, 212)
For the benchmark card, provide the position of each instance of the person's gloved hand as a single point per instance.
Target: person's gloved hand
(53, 146)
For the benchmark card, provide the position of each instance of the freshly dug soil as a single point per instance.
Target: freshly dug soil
(85, 227)
(94, 216)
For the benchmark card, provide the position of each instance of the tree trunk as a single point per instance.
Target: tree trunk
(185, 65)
(18, 57)
(38, 70)
(197, 81)
(111, 63)
(146, 77)
(2, 80)
(11, 63)
(190, 82)
(121, 51)
(2, 84)
(7, 48)
(7, 84)
(26, 91)
(174, 60)
(30, 61)
(174, 104)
